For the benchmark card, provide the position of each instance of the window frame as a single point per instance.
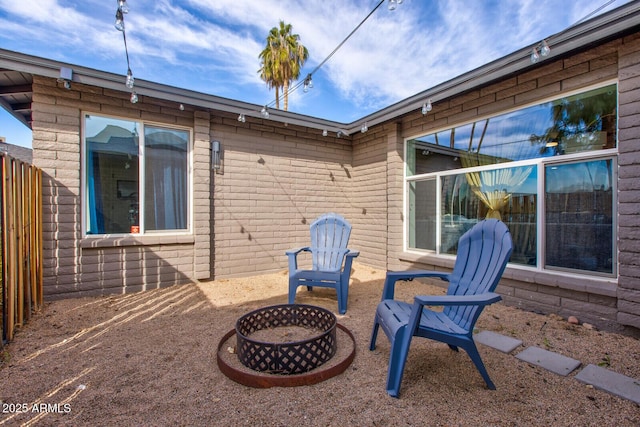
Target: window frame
(540, 163)
(142, 124)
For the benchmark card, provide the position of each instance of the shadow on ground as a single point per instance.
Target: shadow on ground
(150, 359)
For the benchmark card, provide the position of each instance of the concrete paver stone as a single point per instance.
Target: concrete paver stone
(500, 342)
(554, 362)
(612, 382)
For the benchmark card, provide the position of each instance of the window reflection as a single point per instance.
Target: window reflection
(579, 123)
(463, 172)
(112, 186)
(117, 200)
(579, 216)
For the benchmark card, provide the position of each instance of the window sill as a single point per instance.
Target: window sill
(604, 286)
(131, 240)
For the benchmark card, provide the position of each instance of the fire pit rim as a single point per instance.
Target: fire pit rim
(257, 380)
(285, 357)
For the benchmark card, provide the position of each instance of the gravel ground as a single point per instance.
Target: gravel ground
(149, 359)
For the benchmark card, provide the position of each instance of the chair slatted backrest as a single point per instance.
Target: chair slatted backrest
(483, 253)
(329, 239)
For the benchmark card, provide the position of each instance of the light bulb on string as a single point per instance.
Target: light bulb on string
(130, 80)
(545, 50)
(535, 56)
(308, 83)
(426, 107)
(119, 24)
(393, 4)
(122, 5)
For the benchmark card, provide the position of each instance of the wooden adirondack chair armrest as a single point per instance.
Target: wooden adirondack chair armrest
(393, 276)
(443, 300)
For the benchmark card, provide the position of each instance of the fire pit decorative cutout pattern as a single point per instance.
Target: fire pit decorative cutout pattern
(286, 357)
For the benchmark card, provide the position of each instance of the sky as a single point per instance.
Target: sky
(212, 46)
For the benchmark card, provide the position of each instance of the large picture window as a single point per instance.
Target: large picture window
(546, 170)
(136, 177)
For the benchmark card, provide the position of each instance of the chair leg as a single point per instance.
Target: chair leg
(342, 291)
(374, 334)
(293, 287)
(397, 361)
(475, 357)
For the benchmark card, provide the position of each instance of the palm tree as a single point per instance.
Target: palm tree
(269, 70)
(281, 60)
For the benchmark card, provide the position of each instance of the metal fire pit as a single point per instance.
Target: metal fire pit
(286, 357)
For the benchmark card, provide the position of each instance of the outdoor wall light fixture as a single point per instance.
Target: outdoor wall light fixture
(265, 112)
(364, 127)
(541, 50)
(325, 133)
(134, 97)
(426, 107)
(66, 75)
(242, 118)
(215, 155)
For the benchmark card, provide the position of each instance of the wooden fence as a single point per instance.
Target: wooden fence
(21, 244)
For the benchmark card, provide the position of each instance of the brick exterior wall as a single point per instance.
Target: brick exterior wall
(599, 301)
(74, 266)
(628, 294)
(275, 179)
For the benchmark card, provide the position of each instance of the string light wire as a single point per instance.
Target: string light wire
(324, 61)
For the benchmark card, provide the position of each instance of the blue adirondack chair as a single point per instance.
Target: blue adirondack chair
(483, 253)
(330, 258)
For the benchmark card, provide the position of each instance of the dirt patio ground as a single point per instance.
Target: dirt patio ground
(149, 359)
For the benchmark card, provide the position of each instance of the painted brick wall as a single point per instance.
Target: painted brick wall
(74, 266)
(274, 181)
(629, 183)
(368, 197)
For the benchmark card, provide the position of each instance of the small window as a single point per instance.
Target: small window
(136, 177)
